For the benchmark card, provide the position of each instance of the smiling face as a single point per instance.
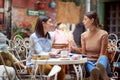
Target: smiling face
(87, 22)
(49, 23)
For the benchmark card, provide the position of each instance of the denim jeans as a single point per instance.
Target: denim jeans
(90, 65)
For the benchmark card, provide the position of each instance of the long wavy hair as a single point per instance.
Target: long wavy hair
(39, 30)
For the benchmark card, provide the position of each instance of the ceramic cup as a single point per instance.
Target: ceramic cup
(64, 53)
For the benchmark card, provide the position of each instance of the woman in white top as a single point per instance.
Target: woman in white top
(41, 41)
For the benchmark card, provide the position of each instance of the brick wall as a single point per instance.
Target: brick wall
(19, 15)
(1, 4)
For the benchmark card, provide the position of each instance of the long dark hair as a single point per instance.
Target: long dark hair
(39, 30)
(94, 15)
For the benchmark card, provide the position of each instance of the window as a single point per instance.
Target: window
(112, 16)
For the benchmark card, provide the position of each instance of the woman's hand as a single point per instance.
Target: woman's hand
(54, 53)
(76, 49)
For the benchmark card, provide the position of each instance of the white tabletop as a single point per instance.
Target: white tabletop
(59, 61)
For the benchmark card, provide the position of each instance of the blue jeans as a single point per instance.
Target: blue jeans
(90, 65)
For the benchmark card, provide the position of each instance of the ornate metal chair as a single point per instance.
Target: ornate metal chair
(113, 50)
(112, 46)
(113, 38)
(20, 49)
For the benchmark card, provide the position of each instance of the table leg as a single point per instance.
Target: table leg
(78, 71)
(33, 72)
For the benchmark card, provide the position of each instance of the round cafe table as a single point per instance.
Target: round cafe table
(64, 61)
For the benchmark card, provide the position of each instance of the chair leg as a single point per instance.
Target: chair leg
(78, 71)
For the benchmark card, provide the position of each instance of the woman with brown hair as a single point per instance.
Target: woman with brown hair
(94, 43)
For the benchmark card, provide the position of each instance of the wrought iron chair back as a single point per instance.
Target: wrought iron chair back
(113, 38)
(20, 48)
